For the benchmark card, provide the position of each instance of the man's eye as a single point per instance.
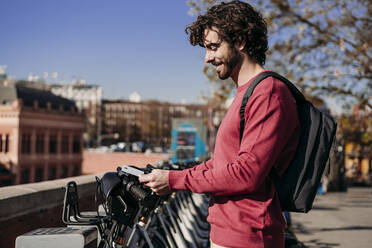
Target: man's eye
(212, 48)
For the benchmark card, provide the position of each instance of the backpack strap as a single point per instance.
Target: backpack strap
(298, 96)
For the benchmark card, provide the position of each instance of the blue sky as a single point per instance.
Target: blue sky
(123, 46)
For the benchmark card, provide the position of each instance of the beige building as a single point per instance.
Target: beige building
(88, 99)
(40, 136)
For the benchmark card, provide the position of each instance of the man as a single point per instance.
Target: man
(244, 209)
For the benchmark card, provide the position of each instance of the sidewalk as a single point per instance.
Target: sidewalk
(340, 220)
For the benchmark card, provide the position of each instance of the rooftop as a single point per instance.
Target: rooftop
(28, 95)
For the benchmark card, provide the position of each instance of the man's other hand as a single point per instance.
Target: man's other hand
(157, 181)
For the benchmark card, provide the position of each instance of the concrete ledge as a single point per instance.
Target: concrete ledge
(34, 197)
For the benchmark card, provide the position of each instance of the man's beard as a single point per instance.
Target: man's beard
(230, 64)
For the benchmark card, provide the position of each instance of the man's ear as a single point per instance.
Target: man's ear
(240, 44)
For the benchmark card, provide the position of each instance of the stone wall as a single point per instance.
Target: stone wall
(30, 206)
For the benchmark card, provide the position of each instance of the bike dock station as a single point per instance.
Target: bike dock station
(130, 216)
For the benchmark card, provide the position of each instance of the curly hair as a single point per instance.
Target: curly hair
(235, 21)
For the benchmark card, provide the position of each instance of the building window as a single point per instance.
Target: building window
(39, 174)
(26, 144)
(76, 144)
(6, 143)
(40, 143)
(53, 144)
(65, 144)
(25, 176)
(76, 171)
(64, 171)
(52, 172)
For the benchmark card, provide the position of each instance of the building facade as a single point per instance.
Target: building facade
(147, 121)
(88, 99)
(40, 135)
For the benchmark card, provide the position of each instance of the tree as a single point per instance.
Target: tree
(357, 128)
(322, 45)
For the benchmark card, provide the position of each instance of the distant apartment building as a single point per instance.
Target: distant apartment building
(147, 121)
(40, 136)
(88, 99)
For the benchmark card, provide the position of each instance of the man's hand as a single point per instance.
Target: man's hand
(157, 181)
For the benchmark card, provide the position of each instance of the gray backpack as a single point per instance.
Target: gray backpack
(299, 184)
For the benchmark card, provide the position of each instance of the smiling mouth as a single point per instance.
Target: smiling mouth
(219, 67)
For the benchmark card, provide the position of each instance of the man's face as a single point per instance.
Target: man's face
(221, 54)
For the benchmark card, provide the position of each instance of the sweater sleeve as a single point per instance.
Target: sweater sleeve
(270, 121)
(176, 178)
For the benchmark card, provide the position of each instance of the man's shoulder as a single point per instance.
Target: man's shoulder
(271, 85)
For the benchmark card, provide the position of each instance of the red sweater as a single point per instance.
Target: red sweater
(243, 198)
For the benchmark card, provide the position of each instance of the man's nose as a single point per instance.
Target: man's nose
(209, 56)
